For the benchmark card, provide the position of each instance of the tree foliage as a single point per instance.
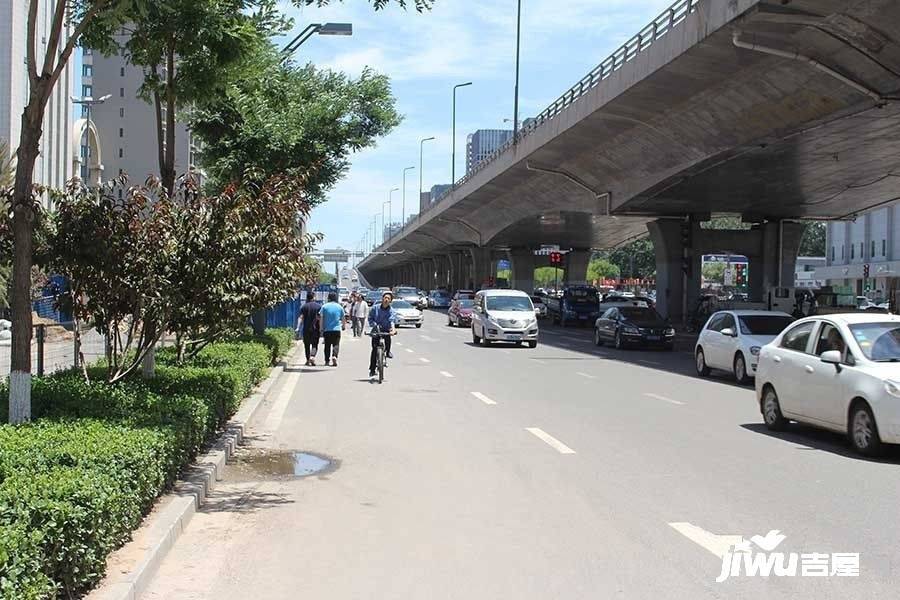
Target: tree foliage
(420, 5)
(544, 276)
(813, 241)
(635, 259)
(601, 268)
(714, 272)
(279, 118)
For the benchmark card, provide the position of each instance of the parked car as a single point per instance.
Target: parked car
(540, 306)
(616, 300)
(460, 313)
(626, 326)
(732, 339)
(839, 372)
(504, 315)
(408, 314)
(439, 299)
(463, 294)
(578, 304)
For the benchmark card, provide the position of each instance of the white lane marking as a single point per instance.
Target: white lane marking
(446, 374)
(586, 375)
(505, 352)
(424, 360)
(539, 361)
(410, 350)
(650, 362)
(549, 440)
(483, 398)
(399, 343)
(427, 339)
(714, 543)
(276, 415)
(664, 399)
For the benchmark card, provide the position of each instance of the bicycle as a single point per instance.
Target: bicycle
(381, 351)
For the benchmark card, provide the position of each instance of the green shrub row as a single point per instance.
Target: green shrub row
(77, 481)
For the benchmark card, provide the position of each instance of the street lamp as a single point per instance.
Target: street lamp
(453, 153)
(421, 150)
(403, 211)
(390, 219)
(89, 102)
(319, 28)
(518, 45)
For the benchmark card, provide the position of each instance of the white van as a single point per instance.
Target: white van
(504, 316)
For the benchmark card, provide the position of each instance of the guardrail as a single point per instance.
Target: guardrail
(659, 27)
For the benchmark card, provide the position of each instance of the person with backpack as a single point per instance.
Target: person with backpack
(308, 328)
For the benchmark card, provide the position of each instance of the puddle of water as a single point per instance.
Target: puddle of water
(280, 464)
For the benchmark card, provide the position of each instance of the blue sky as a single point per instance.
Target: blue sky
(425, 55)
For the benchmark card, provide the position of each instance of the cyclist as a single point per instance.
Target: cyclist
(384, 316)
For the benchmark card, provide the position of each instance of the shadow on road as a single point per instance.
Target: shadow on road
(242, 500)
(813, 438)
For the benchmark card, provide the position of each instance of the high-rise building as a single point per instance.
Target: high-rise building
(54, 163)
(482, 143)
(126, 123)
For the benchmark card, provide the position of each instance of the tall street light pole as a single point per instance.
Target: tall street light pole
(453, 152)
(518, 46)
(421, 151)
(403, 210)
(313, 28)
(390, 218)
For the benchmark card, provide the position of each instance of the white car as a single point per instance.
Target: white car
(407, 314)
(839, 372)
(732, 339)
(504, 316)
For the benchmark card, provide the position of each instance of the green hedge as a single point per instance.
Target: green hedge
(74, 484)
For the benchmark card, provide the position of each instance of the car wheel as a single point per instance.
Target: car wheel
(475, 338)
(532, 344)
(740, 369)
(702, 369)
(864, 431)
(771, 410)
(598, 341)
(619, 343)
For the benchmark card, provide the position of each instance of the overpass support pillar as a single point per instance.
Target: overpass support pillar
(523, 265)
(779, 245)
(482, 265)
(670, 278)
(577, 266)
(456, 276)
(430, 268)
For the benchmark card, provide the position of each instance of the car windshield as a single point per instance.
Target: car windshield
(406, 291)
(637, 313)
(583, 296)
(763, 324)
(509, 303)
(466, 303)
(398, 304)
(878, 341)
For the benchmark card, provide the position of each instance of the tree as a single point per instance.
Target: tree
(814, 239)
(278, 118)
(544, 276)
(601, 268)
(420, 5)
(714, 272)
(88, 21)
(634, 259)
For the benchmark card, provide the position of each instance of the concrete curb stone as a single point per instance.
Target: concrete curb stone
(165, 524)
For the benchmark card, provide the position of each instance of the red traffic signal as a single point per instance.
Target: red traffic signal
(556, 259)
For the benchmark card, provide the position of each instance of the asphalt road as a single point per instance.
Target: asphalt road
(566, 471)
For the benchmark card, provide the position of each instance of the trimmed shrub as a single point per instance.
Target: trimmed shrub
(278, 339)
(21, 565)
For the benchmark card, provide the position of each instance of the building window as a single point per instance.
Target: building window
(84, 111)
(832, 253)
(122, 112)
(85, 151)
(121, 92)
(843, 252)
(872, 253)
(121, 132)
(122, 72)
(121, 152)
(862, 250)
(852, 251)
(87, 70)
(87, 91)
(88, 52)
(884, 247)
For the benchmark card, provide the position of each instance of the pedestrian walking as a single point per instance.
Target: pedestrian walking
(331, 321)
(359, 313)
(308, 328)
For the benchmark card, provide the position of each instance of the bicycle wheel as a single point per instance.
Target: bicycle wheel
(381, 364)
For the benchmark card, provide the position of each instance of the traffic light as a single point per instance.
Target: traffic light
(866, 271)
(556, 259)
(740, 274)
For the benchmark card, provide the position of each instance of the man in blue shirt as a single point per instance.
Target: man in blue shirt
(384, 316)
(331, 320)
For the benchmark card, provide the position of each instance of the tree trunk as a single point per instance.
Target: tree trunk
(23, 244)
(167, 172)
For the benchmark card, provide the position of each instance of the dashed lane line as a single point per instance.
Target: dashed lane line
(549, 440)
(424, 360)
(446, 374)
(484, 398)
(664, 399)
(716, 544)
(427, 339)
(586, 375)
(410, 350)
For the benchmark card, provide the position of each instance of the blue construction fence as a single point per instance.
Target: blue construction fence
(286, 313)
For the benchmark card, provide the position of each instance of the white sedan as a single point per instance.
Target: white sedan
(407, 314)
(731, 341)
(838, 372)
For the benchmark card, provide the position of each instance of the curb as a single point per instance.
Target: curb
(175, 509)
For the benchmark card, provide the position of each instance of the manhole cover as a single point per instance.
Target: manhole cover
(279, 464)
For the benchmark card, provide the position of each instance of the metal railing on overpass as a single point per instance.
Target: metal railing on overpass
(659, 27)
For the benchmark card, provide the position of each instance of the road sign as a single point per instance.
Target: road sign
(729, 276)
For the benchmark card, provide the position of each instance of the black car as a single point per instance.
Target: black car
(373, 297)
(633, 326)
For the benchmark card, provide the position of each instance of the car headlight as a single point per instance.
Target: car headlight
(892, 388)
(632, 330)
(670, 331)
(754, 350)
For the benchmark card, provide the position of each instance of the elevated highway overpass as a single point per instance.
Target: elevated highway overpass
(775, 111)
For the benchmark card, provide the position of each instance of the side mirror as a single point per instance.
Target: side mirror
(729, 332)
(832, 357)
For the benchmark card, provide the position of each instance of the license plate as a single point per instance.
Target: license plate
(513, 338)
(653, 338)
